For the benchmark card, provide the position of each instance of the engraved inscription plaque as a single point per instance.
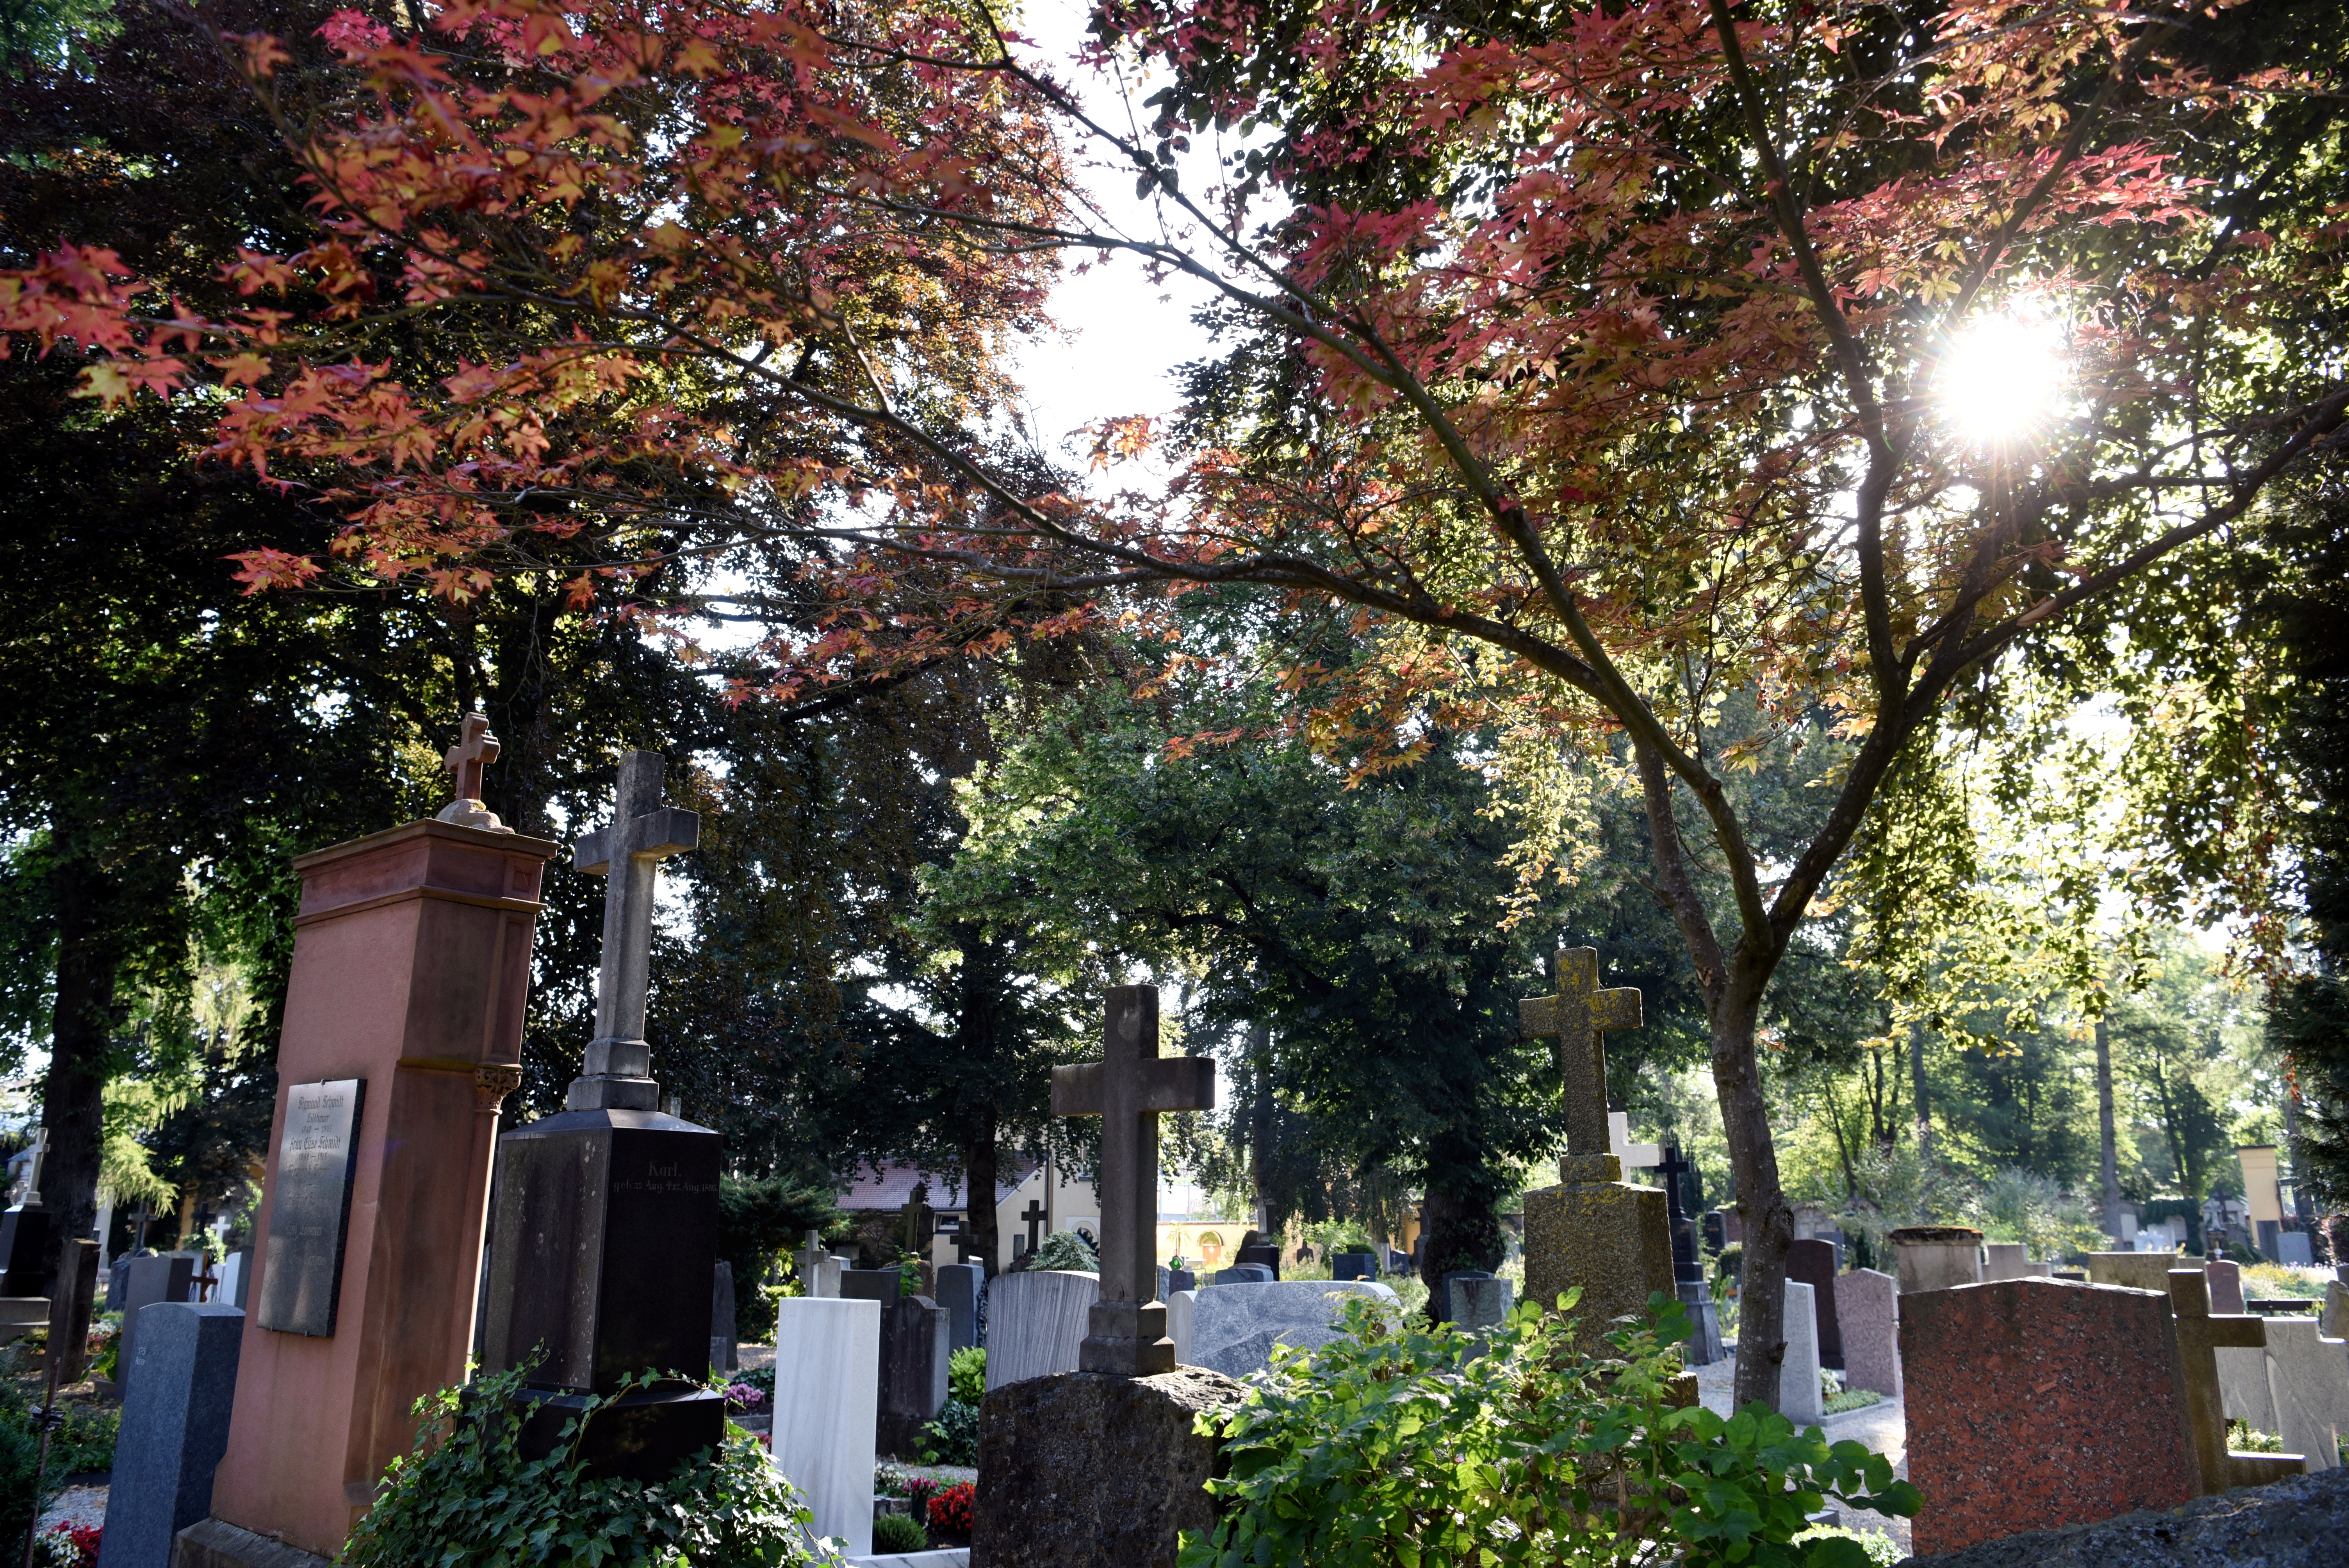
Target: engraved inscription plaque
(301, 1272)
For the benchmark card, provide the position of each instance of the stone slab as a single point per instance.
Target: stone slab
(175, 1419)
(1800, 1399)
(2297, 1522)
(2135, 1270)
(2308, 1382)
(959, 1287)
(152, 1278)
(2035, 1401)
(1612, 1239)
(826, 1409)
(1936, 1258)
(1243, 1274)
(1232, 1329)
(216, 1544)
(1869, 1304)
(2336, 1309)
(1084, 1469)
(2243, 1387)
(1036, 1319)
(1355, 1266)
(723, 1346)
(917, 1339)
(1812, 1261)
(1477, 1301)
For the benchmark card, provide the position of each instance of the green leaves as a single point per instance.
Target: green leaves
(1402, 1444)
(466, 1498)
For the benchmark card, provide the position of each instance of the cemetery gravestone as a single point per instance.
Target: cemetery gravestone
(1477, 1300)
(1355, 1266)
(722, 1342)
(1716, 1233)
(1936, 1258)
(1233, 1331)
(1036, 1323)
(959, 1288)
(2336, 1309)
(826, 1409)
(1800, 1398)
(607, 1231)
(2308, 1383)
(24, 1231)
(410, 973)
(1867, 1306)
(2010, 1260)
(2135, 1270)
(1265, 1257)
(1703, 1347)
(2034, 1404)
(2293, 1250)
(2226, 1285)
(151, 1279)
(2243, 1394)
(1593, 1229)
(1178, 1279)
(1812, 1263)
(1242, 1273)
(882, 1286)
(174, 1431)
(2199, 1336)
(917, 1339)
(310, 1214)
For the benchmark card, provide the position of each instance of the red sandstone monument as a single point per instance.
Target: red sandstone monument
(402, 1038)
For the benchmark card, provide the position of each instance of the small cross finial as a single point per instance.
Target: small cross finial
(475, 749)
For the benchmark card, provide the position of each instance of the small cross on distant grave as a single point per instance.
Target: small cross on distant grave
(40, 1153)
(475, 749)
(1033, 1216)
(627, 851)
(1577, 1018)
(1129, 1089)
(1673, 1168)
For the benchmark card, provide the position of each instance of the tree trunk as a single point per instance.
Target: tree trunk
(2111, 1152)
(1924, 1108)
(1761, 1206)
(979, 1186)
(73, 1097)
(1260, 1123)
(1458, 1231)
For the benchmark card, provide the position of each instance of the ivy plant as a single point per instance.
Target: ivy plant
(1403, 1445)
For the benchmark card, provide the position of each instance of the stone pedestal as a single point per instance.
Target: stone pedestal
(2037, 1403)
(1599, 1231)
(605, 1242)
(411, 961)
(174, 1431)
(1936, 1258)
(1086, 1470)
(1035, 1320)
(827, 1360)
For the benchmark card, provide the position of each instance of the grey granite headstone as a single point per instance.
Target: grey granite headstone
(1443, 1289)
(959, 1287)
(1243, 1274)
(721, 1317)
(174, 1430)
(1233, 1331)
(151, 1279)
(1036, 1319)
(1800, 1399)
(2293, 1250)
(1477, 1300)
(1868, 1304)
(310, 1206)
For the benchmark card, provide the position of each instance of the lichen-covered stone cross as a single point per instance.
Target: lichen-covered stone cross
(1577, 1018)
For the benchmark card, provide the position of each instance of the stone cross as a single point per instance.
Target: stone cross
(1577, 1018)
(627, 853)
(1685, 1265)
(920, 1221)
(1634, 1156)
(1033, 1216)
(2200, 1333)
(40, 1151)
(475, 749)
(1129, 1089)
(810, 1261)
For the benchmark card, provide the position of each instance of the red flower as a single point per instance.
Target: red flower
(950, 1510)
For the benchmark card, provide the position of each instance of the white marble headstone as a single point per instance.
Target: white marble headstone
(1036, 1319)
(827, 1402)
(1232, 1328)
(2243, 1387)
(1799, 1399)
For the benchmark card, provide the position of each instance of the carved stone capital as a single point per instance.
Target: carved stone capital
(493, 1082)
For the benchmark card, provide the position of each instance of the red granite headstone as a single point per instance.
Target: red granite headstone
(2034, 1403)
(1812, 1262)
(2226, 1285)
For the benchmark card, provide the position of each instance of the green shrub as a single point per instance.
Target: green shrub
(1065, 1250)
(895, 1534)
(1881, 1549)
(952, 1437)
(1400, 1443)
(20, 1500)
(967, 1373)
(466, 1498)
(86, 1441)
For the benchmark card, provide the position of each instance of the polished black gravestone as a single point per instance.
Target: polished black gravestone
(25, 1230)
(1703, 1347)
(605, 1217)
(1268, 1256)
(1355, 1266)
(311, 1207)
(1811, 1260)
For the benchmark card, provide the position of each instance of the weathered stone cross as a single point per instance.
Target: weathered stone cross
(1129, 1089)
(475, 749)
(1577, 1018)
(921, 1222)
(2200, 1332)
(1033, 1215)
(627, 851)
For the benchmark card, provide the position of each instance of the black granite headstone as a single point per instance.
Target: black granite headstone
(1268, 1256)
(605, 1242)
(1181, 1279)
(916, 1341)
(1812, 1262)
(174, 1431)
(871, 1284)
(1716, 1236)
(1243, 1274)
(310, 1208)
(24, 1250)
(721, 1318)
(1355, 1266)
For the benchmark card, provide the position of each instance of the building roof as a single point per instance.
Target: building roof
(890, 1184)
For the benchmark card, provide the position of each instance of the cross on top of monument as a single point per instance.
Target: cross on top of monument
(40, 1151)
(1671, 1167)
(1033, 1216)
(1577, 1018)
(627, 851)
(920, 1221)
(475, 749)
(1129, 1089)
